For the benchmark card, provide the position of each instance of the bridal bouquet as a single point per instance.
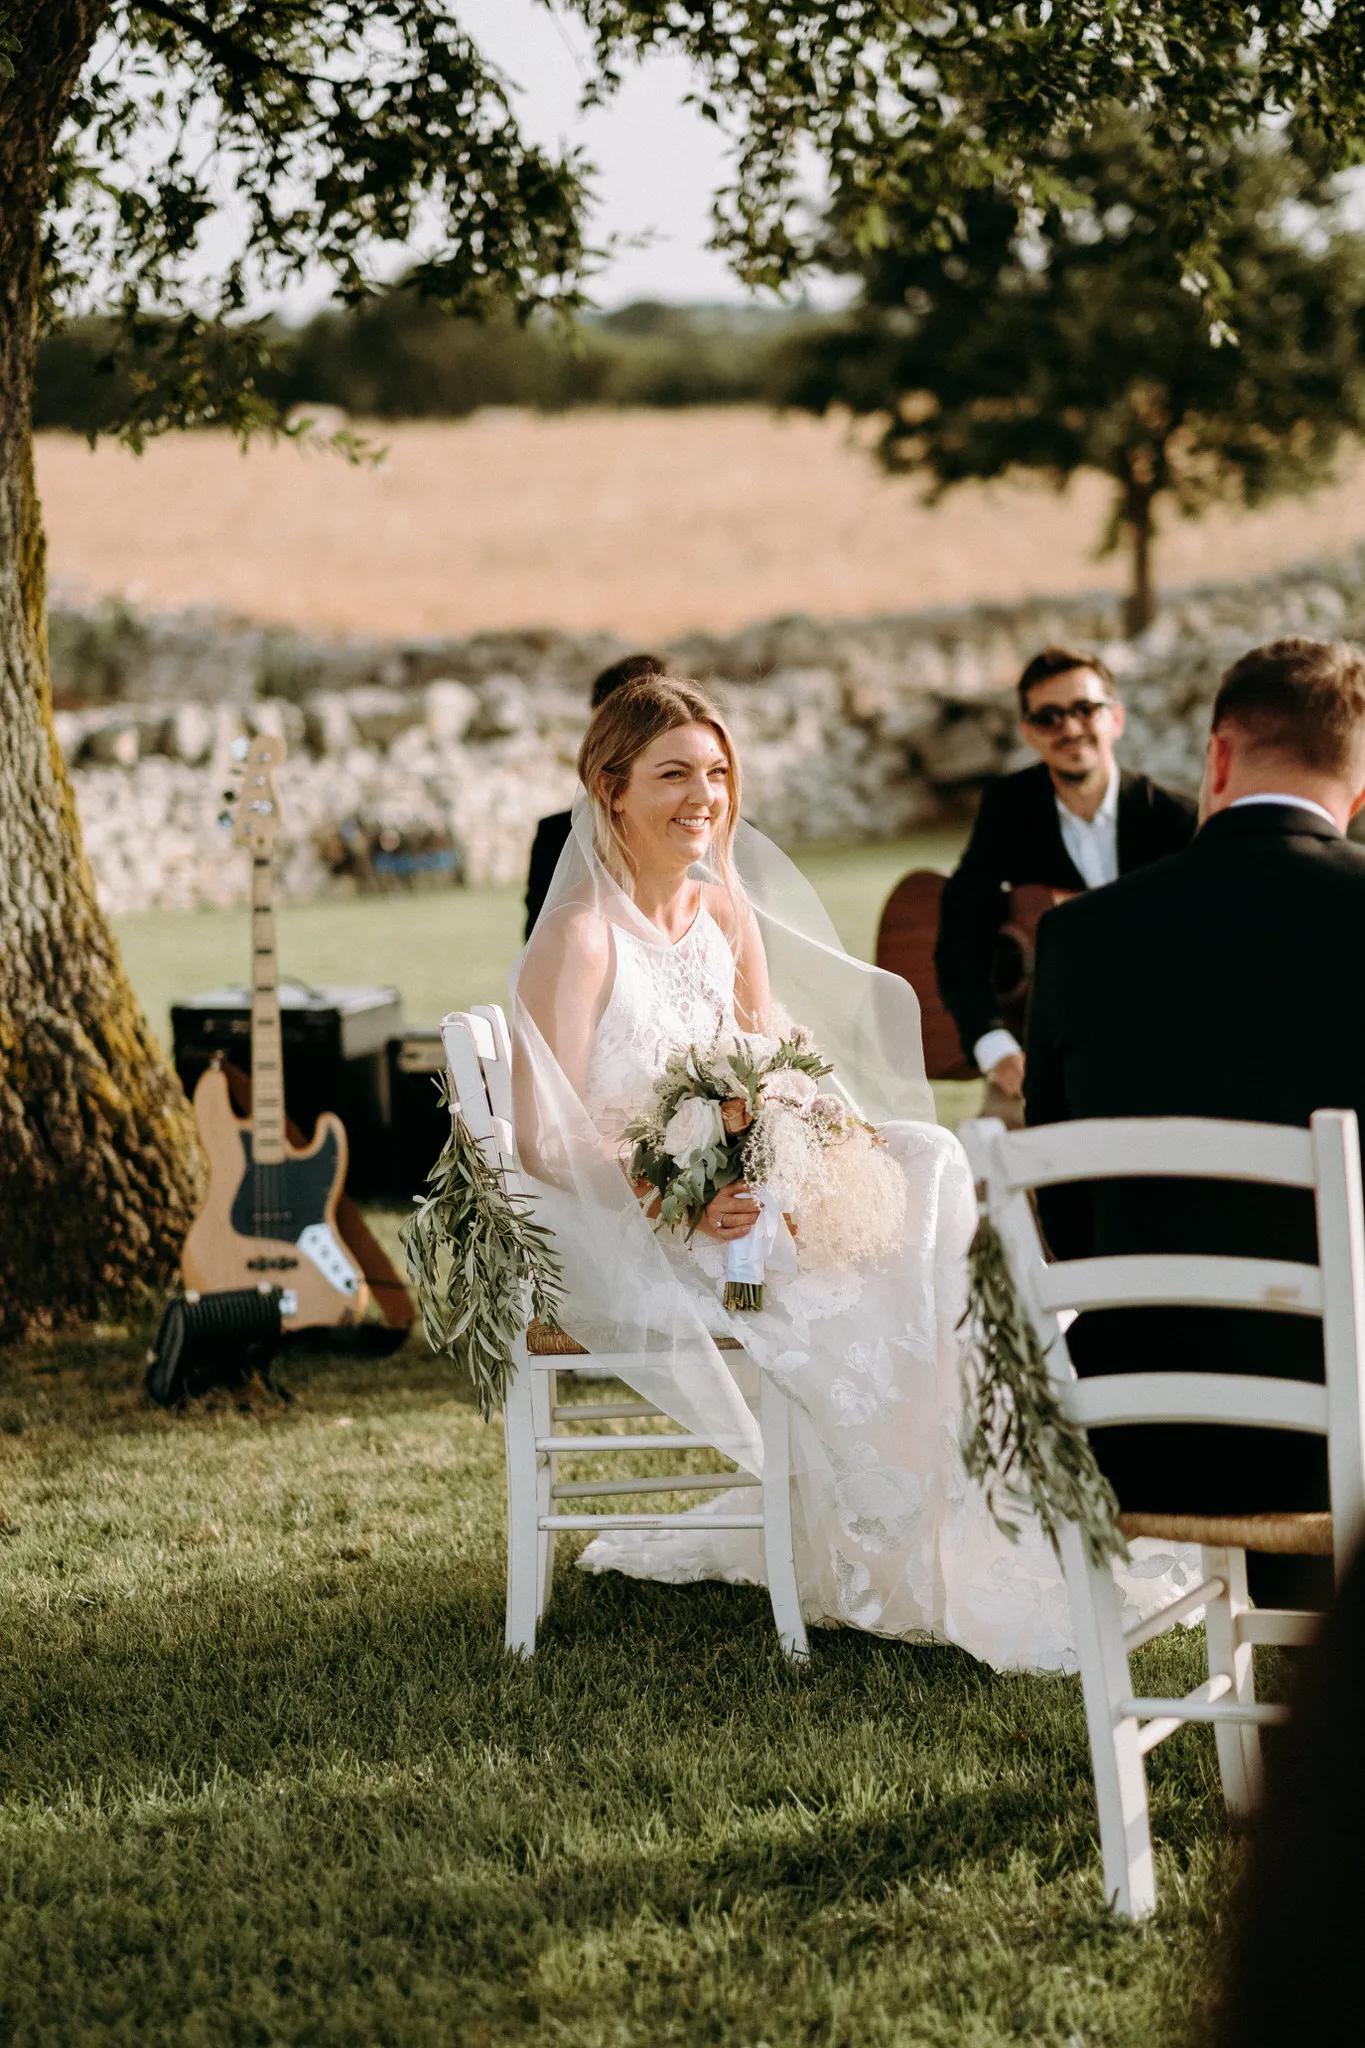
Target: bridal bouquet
(751, 1108)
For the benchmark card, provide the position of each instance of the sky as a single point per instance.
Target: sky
(659, 164)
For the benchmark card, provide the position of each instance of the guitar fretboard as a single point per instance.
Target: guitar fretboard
(267, 1050)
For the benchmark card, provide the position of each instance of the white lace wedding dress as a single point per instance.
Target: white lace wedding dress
(890, 1536)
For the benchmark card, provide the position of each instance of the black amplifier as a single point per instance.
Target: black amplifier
(335, 1057)
(419, 1121)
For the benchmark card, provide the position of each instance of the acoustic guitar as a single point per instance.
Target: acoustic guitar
(270, 1216)
(906, 938)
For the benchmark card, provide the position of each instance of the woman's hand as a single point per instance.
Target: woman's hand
(731, 1214)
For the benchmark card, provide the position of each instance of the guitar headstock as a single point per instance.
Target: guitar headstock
(252, 810)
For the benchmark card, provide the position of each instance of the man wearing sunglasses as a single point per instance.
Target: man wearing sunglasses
(1071, 824)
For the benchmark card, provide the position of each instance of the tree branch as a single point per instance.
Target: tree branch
(235, 57)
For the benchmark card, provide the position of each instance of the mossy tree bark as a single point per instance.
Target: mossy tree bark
(98, 1161)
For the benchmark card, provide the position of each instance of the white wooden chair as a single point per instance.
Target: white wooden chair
(541, 1426)
(1326, 1159)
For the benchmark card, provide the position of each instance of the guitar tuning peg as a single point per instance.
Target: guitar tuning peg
(225, 820)
(240, 749)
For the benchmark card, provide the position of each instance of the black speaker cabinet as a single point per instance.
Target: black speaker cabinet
(335, 1057)
(419, 1122)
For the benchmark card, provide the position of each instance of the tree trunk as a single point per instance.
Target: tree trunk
(1139, 607)
(98, 1161)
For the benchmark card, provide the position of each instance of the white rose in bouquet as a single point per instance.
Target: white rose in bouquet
(694, 1127)
(791, 1085)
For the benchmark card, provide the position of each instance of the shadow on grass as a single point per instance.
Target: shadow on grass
(307, 1797)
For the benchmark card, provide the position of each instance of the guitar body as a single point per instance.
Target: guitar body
(270, 1217)
(906, 938)
(273, 1224)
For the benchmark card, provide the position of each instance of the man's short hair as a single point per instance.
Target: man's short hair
(629, 669)
(1058, 661)
(1302, 699)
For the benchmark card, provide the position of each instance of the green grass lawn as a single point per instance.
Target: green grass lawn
(267, 1778)
(447, 949)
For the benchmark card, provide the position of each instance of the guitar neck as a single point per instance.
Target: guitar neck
(267, 1049)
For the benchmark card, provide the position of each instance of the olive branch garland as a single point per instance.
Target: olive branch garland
(1017, 1439)
(475, 1257)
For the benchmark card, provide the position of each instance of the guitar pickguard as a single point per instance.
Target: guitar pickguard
(285, 1198)
(320, 1243)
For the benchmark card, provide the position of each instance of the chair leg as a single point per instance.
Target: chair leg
(1239, 1746)
(544, 1394)
(523, 1556)
(775, 1423)
(1120, 1777)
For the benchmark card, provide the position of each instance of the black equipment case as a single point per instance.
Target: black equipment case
(336, 1056)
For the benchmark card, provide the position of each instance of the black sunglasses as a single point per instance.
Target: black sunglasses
(1053, 717)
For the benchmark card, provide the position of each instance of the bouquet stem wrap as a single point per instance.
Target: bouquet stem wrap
(769, 1243)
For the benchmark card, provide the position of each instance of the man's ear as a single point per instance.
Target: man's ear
(1220, 762)
(1217, 771)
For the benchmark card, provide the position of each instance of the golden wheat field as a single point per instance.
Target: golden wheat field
(648, 523)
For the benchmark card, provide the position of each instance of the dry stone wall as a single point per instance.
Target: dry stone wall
(433, 760)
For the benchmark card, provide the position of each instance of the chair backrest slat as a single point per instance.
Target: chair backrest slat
(1181, 1280)
(1177, 1147)
(481, 1032)
(1197, 1397)
(466, 1071)
(1326, 1158)
(497, 1059)
(473, 1048)
(507, 1151)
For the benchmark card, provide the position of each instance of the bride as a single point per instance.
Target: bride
(670, 923)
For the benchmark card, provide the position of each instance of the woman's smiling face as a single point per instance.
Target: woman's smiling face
(677, 797)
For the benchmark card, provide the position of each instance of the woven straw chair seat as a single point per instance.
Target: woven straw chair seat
(1286, 1535)
(543, 1342)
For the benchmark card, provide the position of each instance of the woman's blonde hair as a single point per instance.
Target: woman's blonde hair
(630, 720)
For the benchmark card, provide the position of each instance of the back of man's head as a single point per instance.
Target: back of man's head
(1300, 702)
(630, 669)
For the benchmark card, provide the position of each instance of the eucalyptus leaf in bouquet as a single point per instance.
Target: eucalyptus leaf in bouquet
(750, 1108)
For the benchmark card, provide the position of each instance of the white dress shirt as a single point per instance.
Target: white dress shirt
(1275, 796)
(1093, 844)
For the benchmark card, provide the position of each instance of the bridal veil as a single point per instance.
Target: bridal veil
(623, 1292)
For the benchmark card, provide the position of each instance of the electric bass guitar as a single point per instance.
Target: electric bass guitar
(906, 939)
(270, 1214)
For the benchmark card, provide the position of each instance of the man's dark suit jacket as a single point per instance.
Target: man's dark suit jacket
(1017, 838)
(552, 836)
(1226, 981)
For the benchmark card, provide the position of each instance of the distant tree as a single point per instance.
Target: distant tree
(401, 356)
(1063, 338)
(328, 133)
